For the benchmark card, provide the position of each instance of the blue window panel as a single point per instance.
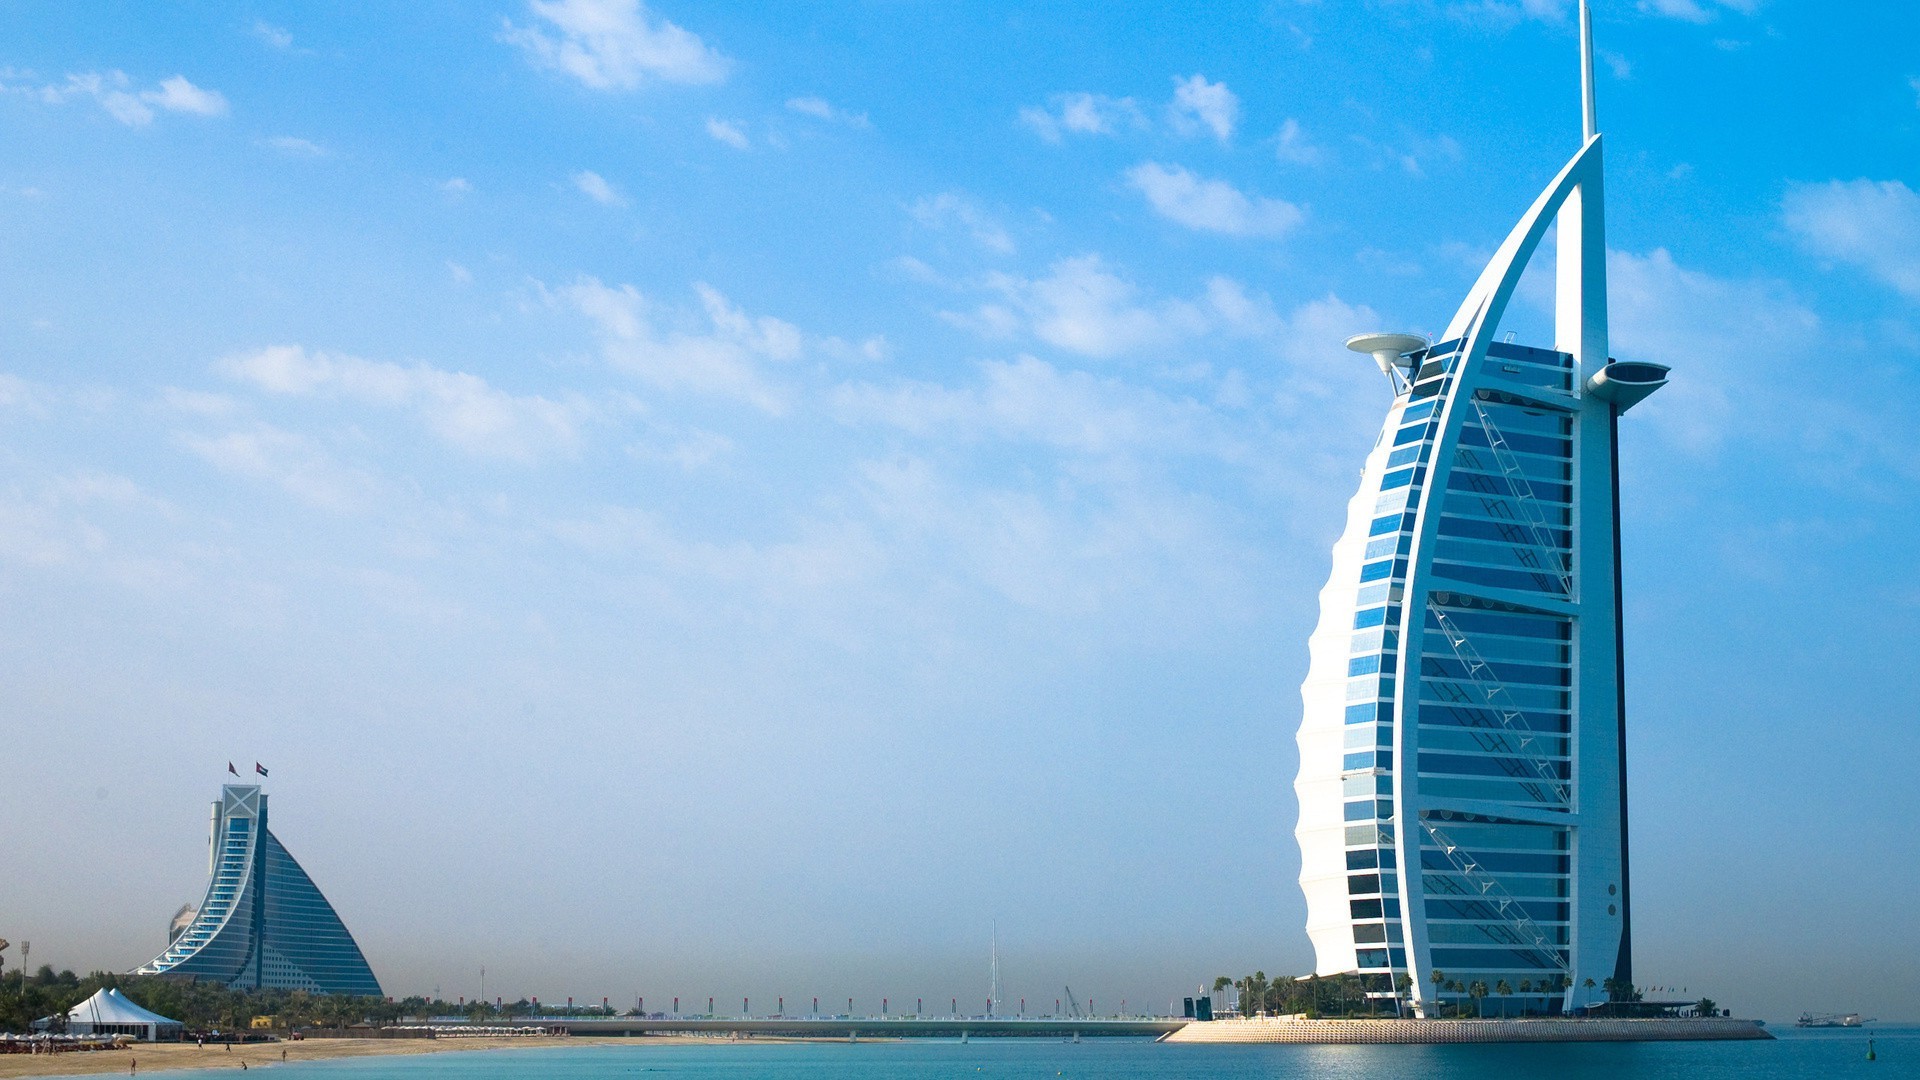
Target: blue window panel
(1365, 714)
(1483, 484)
(1447, 667)
(1363, 884)
(1390, 523)
(1364, 665)
(1382, 546)
(1545, 582)
(1363, 859)
(1412, 434)
(1480, 911)
(1369, 617)
(1397, 480)
(1364, 909)
(1493, 959)
(1376, 571)
(1372, 958)
(1362, 760)
(1405, 456)
(1360, 811)
(1508, 625)
(1416, 412)
(1523, 769)
(1493, 862)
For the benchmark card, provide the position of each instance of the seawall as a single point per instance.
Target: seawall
(1297, 1030)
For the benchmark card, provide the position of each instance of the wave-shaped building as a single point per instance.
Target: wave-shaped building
(1463, 812)
(263, 922)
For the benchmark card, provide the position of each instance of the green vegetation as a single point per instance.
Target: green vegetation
(210, 1006)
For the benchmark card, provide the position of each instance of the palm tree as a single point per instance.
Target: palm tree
(1503, 988)
(1478, 992)
(1439, 980)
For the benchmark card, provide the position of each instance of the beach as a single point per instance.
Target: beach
(159, 1057)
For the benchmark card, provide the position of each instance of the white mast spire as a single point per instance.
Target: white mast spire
(1588, 111)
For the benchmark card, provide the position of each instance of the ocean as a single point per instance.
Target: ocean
(1795, 1054)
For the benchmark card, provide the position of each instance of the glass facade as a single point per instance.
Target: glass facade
(263, 922)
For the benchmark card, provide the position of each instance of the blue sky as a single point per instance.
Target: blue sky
(698, 499)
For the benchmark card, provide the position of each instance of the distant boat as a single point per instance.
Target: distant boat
(1827, 1020)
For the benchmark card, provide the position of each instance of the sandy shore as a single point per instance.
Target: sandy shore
(158, 1057)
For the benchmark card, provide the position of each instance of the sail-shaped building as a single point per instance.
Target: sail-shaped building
(263, 922)
(1462, 784)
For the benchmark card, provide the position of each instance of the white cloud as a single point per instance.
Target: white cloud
(720, 352)
(1209, 105)
(456, 186)
(1914, 85)
(273, 35)
(462, 409)
(113, 91)
(595, 187)
(293, 462)
(1030, 399)
(1211, 205)
(297, 147)
(460, 274)
(1291, 144)
(179, 95)
(614, 45)
(1697, 11)
(727, 131)
(1082, 114)
(1874, 226)
(820, 109)
(1621, 67)
(952, 208)
(1082, 306)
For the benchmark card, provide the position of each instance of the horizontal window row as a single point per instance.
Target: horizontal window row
(1549, 887)
(1516, 768)
(1377, 959)
(1443, 932)
(1529, 374)
(1481, 911)
(1369, 735)
(1512, 418)
(1488, 740)
(1526, 698)
(1545, 794)
(1523, 555)
(1501, 862)
(1386, 907)
(1372, 884)
(1406, 455)
(1369, 836)
(1450, 667)
(1389, 545)
(1370, 858)
(1503, 531)
(1500, 485)
(1376, 933)
(1370, 809)
(1491, 960)
(1366, 784)
(1483, 836)
(1377, 571)
(1502, 508)
(1376, 616)
(1538, 468)
(1436, 714)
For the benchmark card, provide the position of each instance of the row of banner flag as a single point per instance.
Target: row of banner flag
(257, 767)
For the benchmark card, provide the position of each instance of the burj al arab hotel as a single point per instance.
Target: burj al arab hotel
(1462, 785)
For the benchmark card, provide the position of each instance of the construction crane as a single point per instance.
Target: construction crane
(1073, 1006)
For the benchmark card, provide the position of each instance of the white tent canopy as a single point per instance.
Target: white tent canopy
(109, 1012)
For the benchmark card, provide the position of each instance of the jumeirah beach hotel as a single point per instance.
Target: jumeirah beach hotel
(263, 922)
(1462, 749)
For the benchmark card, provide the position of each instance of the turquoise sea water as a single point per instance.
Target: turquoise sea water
(1795, 1054)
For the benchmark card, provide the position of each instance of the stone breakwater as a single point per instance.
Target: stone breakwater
(1298, 1030)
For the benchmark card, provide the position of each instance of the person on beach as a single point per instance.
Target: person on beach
(133, 1066)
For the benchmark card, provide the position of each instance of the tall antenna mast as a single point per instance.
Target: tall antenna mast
(1589, 112)
(993, 969)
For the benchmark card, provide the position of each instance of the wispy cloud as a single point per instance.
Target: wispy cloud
(1291, 144)
(721, 351)
(1211, 205)
(595, 187)
(821, 109)
(114, 92)
(462, 409)
(727, 131)
(951, 208)
(614, 45)
(1198, 103)
(293, 146)
(1082, 114)
(1874, 226)
(278, 37)
(1697, 11)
